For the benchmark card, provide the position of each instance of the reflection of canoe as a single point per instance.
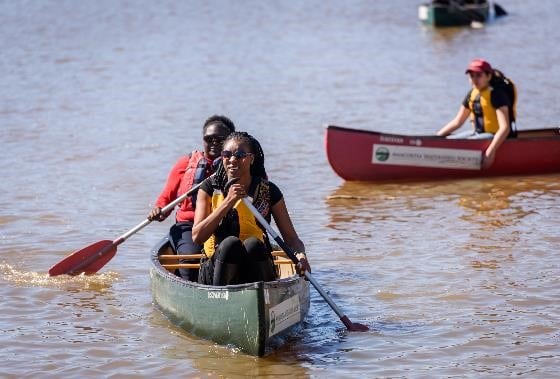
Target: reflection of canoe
(373, 156)
(248, 316)
(453, 13)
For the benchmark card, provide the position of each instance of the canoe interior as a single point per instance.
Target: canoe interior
(539, 133)
(253, 317)
(167, 258)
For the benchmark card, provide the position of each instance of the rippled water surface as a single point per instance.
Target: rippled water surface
(98, 100)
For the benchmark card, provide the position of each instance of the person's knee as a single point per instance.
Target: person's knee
(231, 249)
(255, 249)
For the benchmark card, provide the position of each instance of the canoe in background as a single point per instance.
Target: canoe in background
(454, 13)
(373, 156)
(250, 316)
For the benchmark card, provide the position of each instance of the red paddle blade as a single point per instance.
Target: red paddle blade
(88, 260)
(353, 326)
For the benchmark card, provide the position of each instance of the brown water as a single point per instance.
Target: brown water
(98, 99)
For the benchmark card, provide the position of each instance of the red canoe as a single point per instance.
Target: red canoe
(373, 156)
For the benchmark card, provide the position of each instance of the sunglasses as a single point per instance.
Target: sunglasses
(238, 154)
(213, 138)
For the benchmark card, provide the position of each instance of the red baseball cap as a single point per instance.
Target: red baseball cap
(479, 65)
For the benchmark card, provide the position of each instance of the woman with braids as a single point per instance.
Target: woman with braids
(190, 170)
(235, 245)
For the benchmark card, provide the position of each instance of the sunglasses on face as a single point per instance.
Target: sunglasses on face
(475, 75)
(213, 139)
(238, 154)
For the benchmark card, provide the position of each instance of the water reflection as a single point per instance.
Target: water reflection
(486, 218)
(491, 202)
(445, 36)
(211, 359)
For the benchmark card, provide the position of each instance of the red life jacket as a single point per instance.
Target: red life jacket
(195, 172)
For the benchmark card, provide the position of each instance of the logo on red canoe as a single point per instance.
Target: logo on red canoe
(382, 154)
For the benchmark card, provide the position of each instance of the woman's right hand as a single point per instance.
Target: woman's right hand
(236, 192)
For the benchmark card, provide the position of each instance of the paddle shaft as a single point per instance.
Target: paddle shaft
(92, 258)
(292, 255)
(146, 222)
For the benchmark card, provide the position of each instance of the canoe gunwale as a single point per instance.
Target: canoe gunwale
(523, 134)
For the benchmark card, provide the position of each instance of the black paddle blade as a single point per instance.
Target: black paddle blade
(499, 11)
(88, 260)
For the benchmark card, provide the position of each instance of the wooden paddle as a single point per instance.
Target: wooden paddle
(92, 258)
(351, 326)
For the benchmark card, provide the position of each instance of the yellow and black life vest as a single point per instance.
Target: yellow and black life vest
(483, 113)
(239, 221)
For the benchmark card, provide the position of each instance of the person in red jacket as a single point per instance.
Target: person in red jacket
(187, 172)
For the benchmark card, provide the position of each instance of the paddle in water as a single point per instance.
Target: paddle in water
(351, 326)
(92, 258)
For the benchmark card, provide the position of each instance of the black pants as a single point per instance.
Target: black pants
(236, 262)
(180, 236)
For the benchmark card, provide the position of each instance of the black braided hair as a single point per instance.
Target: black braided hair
(257, 168)
(220, 120)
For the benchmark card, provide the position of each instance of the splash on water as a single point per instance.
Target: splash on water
(42, 279)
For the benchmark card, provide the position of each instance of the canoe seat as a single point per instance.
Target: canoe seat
(170, 260)
(284, 266)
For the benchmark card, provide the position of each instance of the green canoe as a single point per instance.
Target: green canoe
(453, 13)
(251, 316)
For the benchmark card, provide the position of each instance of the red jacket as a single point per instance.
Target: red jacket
(181, 178)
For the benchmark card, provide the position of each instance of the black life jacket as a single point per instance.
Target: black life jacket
(499, 80)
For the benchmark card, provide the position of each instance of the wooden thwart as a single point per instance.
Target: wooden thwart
(169, 261)
(276, 253)
(180, 256)
(175, 266)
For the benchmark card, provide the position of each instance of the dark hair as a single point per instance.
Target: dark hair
(257, 168)
(219, 120)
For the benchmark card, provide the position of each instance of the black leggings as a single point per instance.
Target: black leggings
(180, 236)
(236, 262)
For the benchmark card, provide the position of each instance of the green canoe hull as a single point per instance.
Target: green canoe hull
(249, 316)
(448, 15)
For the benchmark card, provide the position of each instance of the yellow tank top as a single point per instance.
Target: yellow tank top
(248, 226)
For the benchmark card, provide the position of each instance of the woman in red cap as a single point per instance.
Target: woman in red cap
(489, 108)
